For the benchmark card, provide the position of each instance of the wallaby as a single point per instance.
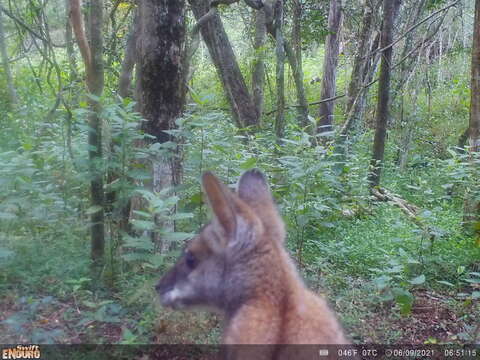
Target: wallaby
(238, 265)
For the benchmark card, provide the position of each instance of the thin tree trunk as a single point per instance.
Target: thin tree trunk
(95, 83)
(128, 63)
(409, 122)
(472, 204)
(407, 66)
(295, 59)
(121, 223)
(161, 86)
(225, 61)
(330, 66)
(357, 80)
(92, 54)
(69, 45)
(462, 141)
(12, 93)
(383, 94)
(258, 73)
(280, 72)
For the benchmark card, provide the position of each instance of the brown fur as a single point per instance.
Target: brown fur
(242, 268)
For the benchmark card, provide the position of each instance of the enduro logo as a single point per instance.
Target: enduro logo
(22, 352)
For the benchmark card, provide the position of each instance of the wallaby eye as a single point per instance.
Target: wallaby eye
(190, 260)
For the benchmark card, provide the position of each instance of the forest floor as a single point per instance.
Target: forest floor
(45, 300)
(434, 319)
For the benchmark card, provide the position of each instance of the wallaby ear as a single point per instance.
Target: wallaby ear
(254, 190)
(220, 201)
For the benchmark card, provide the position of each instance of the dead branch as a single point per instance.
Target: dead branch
(408, 209)
(384, 195)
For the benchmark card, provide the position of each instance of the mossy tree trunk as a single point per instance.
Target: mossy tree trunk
(280, 72)
(92, 54)
(225, 61)
(332, 45)
(376, 162)
(472, 203)
(161, 88)
(12, 93)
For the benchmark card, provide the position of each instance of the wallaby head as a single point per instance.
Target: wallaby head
(215, 269)
(238, 264)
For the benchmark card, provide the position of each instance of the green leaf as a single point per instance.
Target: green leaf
(93, 209)
(141, 243)
(476, 295)
(93, 97)
(176, 236)
(404, 299)
(144, 225)
(135, 257)
(156, 260)
(445, 283)
(250, 163)
(473, 281)
(382, 282)
(418, 280)
(7, 216)
(27, 146)
(394, 269)
(181, 216)
(139, 174)
(5, 253)
(89, 304)
(196, 198)
(142, 213)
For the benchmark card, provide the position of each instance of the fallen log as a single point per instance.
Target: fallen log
(410, 210)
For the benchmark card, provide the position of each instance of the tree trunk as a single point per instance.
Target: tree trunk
(294, 55)
(95, 83)
(223, 57)
(474, 123)
(258, 73)
(280, 72)
(128, 63)
(69, 45)
(383, 94)
(462, 141)
(472, 204)
(161, 85)
(161, 48)
(407, 67)
(12, 93)
(92, 54)
(408, 125)
(357, 81)
(330, 66)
